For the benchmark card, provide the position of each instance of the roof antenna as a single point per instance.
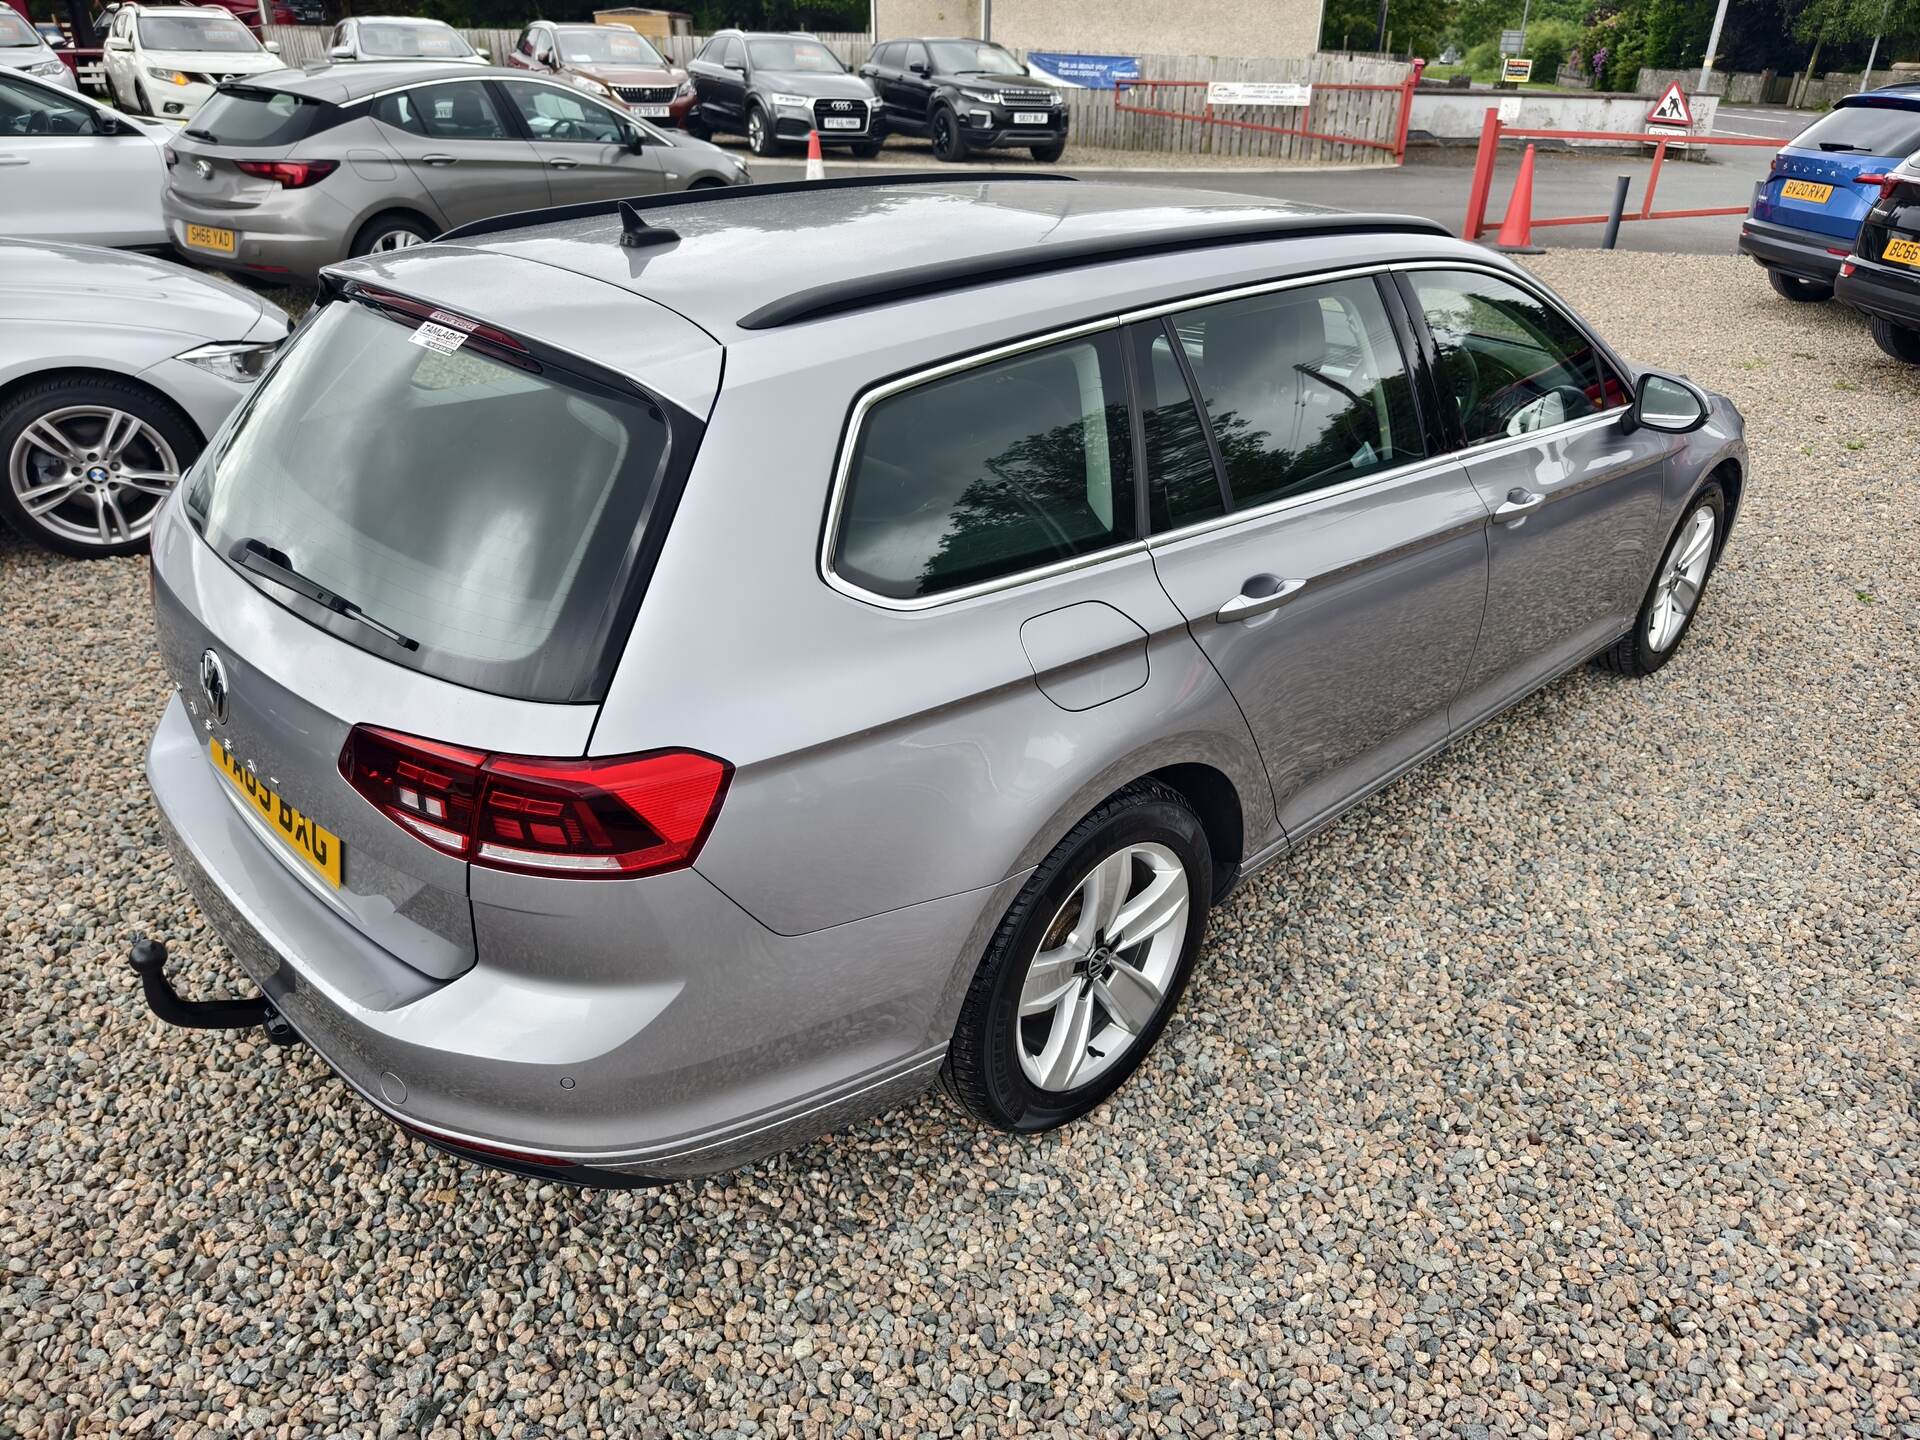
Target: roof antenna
(635, 232)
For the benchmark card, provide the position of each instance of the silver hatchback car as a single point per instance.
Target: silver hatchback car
(655, 684)
(286, 172)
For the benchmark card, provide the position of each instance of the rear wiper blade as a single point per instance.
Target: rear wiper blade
(1836, 145)
(197, 134)
(263, 559)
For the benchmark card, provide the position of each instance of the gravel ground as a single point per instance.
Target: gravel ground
(1566, 1088)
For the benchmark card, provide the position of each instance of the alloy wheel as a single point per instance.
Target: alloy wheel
(1681, 581)
(394, 240)
(1104, 967)
(92, 474)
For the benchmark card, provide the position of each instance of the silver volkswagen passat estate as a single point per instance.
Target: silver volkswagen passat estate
(656, 682)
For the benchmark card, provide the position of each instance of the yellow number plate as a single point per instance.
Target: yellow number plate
(210, 237)
(318, 846)
(1902, 252)
(1806, 190)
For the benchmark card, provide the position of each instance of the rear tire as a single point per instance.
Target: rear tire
(1898, 341)
(1792, 287)
(943, 128)
(866, 151)
(1047, 154)
(392, 230)
(1655, 635)
(1139, 865)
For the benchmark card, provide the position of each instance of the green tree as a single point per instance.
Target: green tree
(1415, 27)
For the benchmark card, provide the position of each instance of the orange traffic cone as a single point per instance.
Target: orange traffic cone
(815, 169)
(1516, 226)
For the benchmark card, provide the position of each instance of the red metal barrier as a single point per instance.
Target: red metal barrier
(1206, 116)
(1492, 130)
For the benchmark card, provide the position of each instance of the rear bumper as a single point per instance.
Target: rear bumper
(1797, 252)
(265, 243)
(1886, 291)
(693, 1041)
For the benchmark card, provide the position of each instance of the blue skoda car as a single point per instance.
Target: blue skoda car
(1807, 212)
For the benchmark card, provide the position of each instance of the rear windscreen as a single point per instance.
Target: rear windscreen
(1864, 130)
(260, 117)
(486, 509)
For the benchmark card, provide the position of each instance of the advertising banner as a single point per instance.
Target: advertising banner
(1248, 92)
(1083, 72)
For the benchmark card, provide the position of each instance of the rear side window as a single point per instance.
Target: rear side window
(459, 111)
(1305, 388)
(486, 506)
(250, 116)
(1007, 467)
(1891, 130)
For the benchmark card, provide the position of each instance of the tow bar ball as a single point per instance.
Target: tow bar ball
(148, 960)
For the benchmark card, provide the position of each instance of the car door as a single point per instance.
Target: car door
(878, 65)
(62, 178)
(459, 142)
(913, 89)
(117, 56)
(728, 83)
(589, 151)
(1329, 558)
(1575, 500)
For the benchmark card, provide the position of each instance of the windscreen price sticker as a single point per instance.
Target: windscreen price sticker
(443, 338)
(1245, 92)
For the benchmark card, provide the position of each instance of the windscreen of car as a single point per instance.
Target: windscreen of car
(801, 55)
(252, 116)
(14, 31)
(483, 505)
(596, 45)
(411, 42)
(1863, 130)
(969, 57)
(217, 33)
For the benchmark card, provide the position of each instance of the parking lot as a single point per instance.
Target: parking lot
(1566, 1087)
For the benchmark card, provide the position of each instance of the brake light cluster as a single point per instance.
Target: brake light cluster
(1888, 183)
(292, 174)
(612, 818)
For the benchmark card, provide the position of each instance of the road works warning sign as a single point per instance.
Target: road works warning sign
(1671, 108)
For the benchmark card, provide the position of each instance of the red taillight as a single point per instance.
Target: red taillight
(292, 174)
(1846, 271)
(633, 815)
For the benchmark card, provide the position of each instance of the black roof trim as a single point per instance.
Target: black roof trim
(887, 286)
(524, 219)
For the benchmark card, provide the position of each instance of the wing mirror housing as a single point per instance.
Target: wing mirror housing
(482, 53)
(1666, 403)
(918, 67)
(119, 42)
(341, 52)
(273, 47)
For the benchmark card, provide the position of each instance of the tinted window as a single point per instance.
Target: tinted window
(552, 114)
(887, 57)
(999, 469)
(786, 54)
(1511, 362)
(1864, 130)
(483, 509)
(259, 117)
(1305, 388)
(220, 33)
(410, 42)
(28, 110)
(733, 53)
(1185, 486)
(460, 111)
(973, 57)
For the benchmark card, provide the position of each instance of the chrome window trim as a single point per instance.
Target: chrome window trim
(1477, 450)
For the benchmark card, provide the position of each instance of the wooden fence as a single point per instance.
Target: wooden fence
(1097, 122)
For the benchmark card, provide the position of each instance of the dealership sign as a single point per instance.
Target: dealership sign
(1243, 92)
(1083, 72)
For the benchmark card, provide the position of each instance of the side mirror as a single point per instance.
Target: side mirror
(482, 53)
(109, 125)
(273, 47)
(119, 42)
(340, 52)
(1666, 403)
(637, 141)
(918, 67)
(55, 42)
(738, 69)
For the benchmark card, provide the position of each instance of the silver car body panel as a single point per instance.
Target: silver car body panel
(900, 769)
(85, 189)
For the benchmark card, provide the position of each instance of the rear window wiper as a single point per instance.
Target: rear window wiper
(262, 559)
(1841, 145)
(193, 133)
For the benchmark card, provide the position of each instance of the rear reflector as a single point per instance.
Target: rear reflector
(587, 819)
(292, 174)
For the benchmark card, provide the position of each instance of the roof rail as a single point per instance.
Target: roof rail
(521, 219)
(886, 287)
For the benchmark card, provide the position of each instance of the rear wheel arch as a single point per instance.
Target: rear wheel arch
(386, 215)
(1217, 802)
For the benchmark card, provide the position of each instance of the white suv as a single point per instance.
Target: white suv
(166, 61)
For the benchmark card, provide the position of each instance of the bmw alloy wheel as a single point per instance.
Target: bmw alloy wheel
(91, 474)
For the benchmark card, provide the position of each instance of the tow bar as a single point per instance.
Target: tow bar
(148, 960)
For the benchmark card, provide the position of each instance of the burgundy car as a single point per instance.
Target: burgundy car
(611, 60)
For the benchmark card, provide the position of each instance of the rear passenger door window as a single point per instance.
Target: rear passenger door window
(1007, 467)
(1304, 388)
(1510, 362)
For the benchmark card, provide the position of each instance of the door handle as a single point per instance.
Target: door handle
(1519, 504)
(564, 164)
(14, 160)
(1260, 594)
(438, 159)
